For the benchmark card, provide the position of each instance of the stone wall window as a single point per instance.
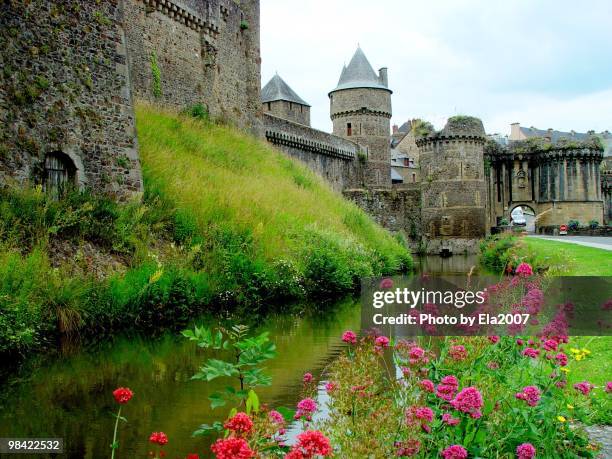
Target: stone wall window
(413, 177)
(59, 173)
(269, 106)
(349, 129)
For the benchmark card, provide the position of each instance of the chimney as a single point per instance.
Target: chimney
(395, 128)
(515, 131)
(382, 77)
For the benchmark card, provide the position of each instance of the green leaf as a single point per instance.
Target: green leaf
(256, 377)
(254, 400)
(206, 429)
(258, 354)
(216, 400)
(215, 368)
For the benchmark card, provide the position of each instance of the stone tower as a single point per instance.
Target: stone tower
(454, 188)
(360, 109)
(280, 100)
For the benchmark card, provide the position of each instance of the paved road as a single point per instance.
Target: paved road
(598, 242)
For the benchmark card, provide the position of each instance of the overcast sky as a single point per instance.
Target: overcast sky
(541, 63)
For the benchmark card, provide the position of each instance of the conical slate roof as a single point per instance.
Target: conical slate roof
(359, 74)
(277, 89)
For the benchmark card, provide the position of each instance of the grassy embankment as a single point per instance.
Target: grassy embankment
(562, 259)
(226, 222)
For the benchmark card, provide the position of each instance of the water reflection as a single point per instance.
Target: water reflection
(70, 397)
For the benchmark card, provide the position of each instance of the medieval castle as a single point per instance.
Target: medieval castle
(72, 70)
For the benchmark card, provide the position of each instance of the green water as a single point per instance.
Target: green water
(71, 396)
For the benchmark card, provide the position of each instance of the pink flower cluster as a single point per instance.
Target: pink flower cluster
(420, 415)
(455, 452)
(458, 352)
(276, 418)
(407, 448)
(469, 401)
(524, 270)
(561, 359)
(310, 444)
(609, 387)
(307, 378)
(447, 388)
(427, 385)
(241, 423)
(305, 409)
(449, 419)
(531, 352)
(232, 448)
(416, 355)
(381, 342)
(349, 337)
(530, 394)
(494, 339)
(585, 387)
(525, 451)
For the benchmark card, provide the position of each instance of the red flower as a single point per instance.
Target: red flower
(232, 448)
(307, 378)
(158, 437)
(311, 443)
(192, 456)
(469, 400)
(240, 423)
(123, 395)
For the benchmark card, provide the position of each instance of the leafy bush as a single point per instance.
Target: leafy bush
(494, 252)
(593, 224)
(573, 225)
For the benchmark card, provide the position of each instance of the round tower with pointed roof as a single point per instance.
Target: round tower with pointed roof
(360, 109)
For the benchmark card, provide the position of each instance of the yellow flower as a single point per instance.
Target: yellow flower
(570, 407)
(579, 357)
(561, 419)
(585, 351)
(566, 370)
(574, 350)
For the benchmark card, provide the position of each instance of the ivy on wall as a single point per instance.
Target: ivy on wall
(156, 75)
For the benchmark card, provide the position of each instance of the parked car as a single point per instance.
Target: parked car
(518, 217)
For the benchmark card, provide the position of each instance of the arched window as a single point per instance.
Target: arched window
(60, 172)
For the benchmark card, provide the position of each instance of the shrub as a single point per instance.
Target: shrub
(573, 225)
(593, 224)
(494, 252)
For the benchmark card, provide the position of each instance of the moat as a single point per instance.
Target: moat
(69, 396)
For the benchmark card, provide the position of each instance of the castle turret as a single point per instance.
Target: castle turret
(454, 188)
(280, 100)
(360, 109)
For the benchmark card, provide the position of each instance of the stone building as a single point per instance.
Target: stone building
(72, 71)
(360, 109)
(557, 180)
(280, 100)
(445, 190)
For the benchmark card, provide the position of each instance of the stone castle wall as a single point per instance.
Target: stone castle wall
(64, 89)
(206, 51)
(288, 111)
(368, 111)
(332, 157)
(398, 209)
(71, 71)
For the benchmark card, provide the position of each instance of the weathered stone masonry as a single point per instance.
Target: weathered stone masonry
(65, 95)
(332, 157)
(71, 71)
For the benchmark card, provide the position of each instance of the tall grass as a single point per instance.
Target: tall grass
(226, 222)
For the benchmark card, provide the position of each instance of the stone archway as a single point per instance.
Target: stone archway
(529, 214)
(60, 173)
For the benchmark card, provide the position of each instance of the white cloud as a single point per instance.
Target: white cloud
(541, 63)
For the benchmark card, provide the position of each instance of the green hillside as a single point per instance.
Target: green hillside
(226, 222)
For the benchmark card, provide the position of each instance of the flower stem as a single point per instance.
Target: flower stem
(114, 444)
